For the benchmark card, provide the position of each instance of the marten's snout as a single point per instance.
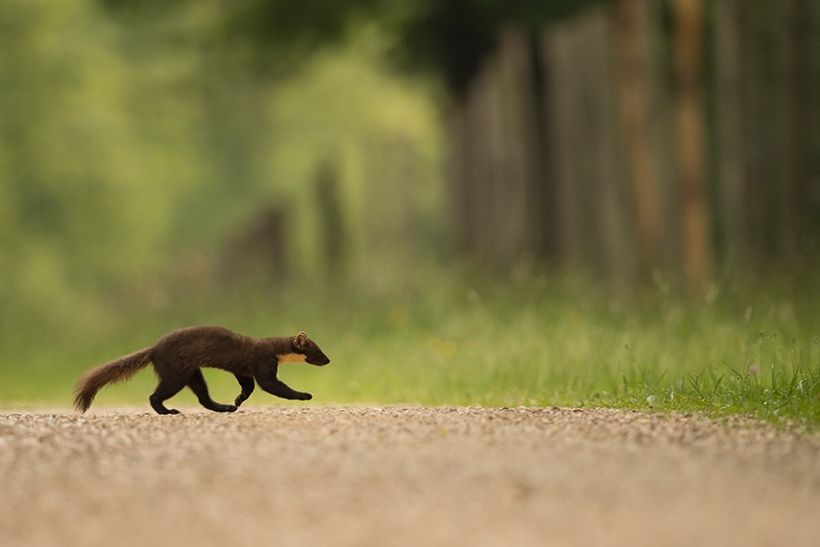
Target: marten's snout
(315, 356)
(321, 360)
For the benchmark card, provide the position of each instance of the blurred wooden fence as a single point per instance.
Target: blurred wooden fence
(645, 135)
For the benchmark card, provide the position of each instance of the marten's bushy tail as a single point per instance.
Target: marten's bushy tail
(115, 371)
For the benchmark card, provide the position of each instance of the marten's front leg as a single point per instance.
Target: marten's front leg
(266, 378)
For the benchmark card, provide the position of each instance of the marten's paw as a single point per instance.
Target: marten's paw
(223, 408)
(305, 396)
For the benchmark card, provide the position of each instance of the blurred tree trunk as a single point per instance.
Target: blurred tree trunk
(497, 156)
(618, 250)
(481, 169)
(756, 130)
(461, 197)
(731, 137)
(691, 143)
(745, 159)
(521, 168)
(635, 81)
(559, 48)
(794, 117)
(329, 204)
(584, 137)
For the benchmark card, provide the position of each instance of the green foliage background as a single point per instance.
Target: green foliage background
(129, 145)
(132, 148)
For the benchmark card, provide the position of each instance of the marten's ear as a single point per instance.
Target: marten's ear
(301, 341)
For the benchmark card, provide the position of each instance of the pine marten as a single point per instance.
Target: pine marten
(178, 357)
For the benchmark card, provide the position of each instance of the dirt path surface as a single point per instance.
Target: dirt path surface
(403, 476)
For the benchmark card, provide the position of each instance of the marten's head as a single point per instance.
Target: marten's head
(305, 350)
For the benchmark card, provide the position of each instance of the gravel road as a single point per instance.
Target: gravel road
(402, 476)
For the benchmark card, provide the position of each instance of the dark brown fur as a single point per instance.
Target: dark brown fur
(178, 357)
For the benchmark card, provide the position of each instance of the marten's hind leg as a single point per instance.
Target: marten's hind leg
(168, 386)
(247, 384)
(200, 389)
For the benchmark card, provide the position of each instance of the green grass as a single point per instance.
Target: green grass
(437, 339)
